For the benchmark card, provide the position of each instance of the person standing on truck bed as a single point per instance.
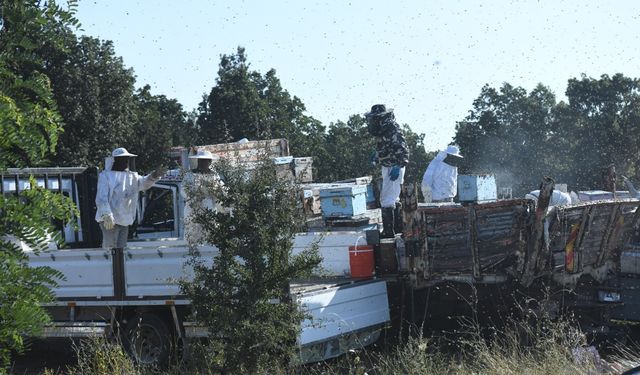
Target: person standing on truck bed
(117, 198)
(392, 152)
(198, 187)
(440, 180)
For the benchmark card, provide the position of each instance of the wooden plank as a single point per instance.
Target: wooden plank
(583, 230)
(473, 243)
(611, 223)
(533, 260)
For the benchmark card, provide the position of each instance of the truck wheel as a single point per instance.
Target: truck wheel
(148, 340)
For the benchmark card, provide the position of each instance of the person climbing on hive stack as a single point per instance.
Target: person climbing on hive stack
(392, 153)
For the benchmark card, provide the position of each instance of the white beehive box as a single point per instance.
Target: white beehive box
(477, 188)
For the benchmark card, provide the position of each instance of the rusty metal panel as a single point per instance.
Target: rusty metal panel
(447, 233)
(586, 236)
(518, 238)
(501, 232)
(472, 239)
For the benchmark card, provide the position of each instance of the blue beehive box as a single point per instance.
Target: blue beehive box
(344, 201)
(477, 188)
(370, 195)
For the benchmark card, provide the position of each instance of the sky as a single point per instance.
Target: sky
(428, 60)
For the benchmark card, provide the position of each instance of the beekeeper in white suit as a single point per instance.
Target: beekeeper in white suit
(440, 180)
(558, 198)
(198, 188)
(117, 197)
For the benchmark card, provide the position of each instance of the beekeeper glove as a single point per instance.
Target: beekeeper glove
(107, 221)
(394, 173)
(159, 172)
(373, 159)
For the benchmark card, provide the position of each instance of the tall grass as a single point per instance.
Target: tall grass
(532, 347)
(99, 356)
(521, 347)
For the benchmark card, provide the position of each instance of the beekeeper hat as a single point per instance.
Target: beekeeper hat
(202, 154)
(453, 150)
(378, 110)
(121, 151)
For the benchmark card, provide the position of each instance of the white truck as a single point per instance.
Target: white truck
(136, 292)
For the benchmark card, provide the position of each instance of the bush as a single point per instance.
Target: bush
(243, 297)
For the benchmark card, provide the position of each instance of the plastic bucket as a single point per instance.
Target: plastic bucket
(361, 262)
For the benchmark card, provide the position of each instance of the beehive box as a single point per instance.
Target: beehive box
(303, 169)
(368, 181)
(284, 168)
(344, 201)
(599, 195)
(477, 188)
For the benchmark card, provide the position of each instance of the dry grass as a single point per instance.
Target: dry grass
(541, 347)
(524, 347)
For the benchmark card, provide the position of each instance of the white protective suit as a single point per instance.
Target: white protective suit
(118, 195)
(558, 198)
(440, 179)
(197, 192)
(390, 191)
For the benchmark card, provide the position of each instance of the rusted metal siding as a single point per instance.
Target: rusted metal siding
(474, 238)
(585, 237)
(472, 241)
(514, 238)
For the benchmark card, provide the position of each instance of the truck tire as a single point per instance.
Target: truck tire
(148, 340)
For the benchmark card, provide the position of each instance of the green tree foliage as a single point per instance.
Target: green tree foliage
(234, 109)
(29, 124)
(602, 128)
(524, 136)
(243, 297)
(419, 158)
(94, 92)
(508, 133)
(25, 220)
(160, 123)
(348, 147)
(247, 104)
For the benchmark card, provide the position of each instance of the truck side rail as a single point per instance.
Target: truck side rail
(78, 183)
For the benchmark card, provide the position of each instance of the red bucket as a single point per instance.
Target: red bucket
(361, 262)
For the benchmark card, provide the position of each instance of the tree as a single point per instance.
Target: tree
(159, 122)
(601, 119)
(29, 124)
(234, 108)
(243, 297)
(348, 148)
(246, 104)
(507, 133)
(524, 136)
(95, 96)
(419, 158)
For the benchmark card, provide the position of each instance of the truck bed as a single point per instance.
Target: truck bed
(490, 242)
(152, 268)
